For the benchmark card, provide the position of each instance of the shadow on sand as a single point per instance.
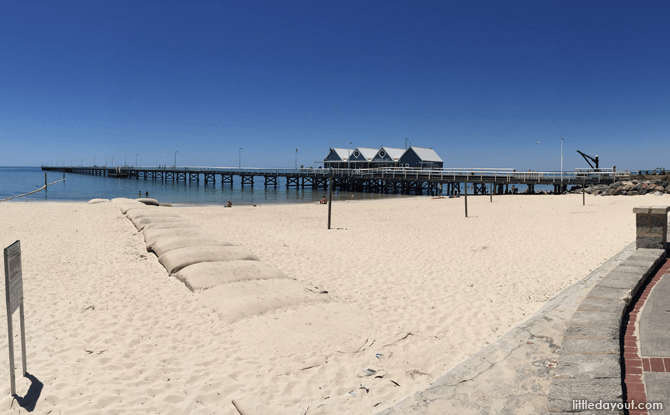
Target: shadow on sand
(29, 401)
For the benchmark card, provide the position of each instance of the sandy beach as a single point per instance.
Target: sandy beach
(402, 291)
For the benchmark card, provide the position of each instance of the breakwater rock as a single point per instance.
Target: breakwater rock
(630, 188)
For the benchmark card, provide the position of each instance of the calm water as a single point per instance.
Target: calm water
(81, 187)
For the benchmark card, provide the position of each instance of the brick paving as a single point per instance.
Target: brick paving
(635, 365)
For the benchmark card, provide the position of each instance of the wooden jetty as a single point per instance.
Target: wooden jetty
(382, 180)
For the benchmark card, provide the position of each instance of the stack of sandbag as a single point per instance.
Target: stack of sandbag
(204, 261)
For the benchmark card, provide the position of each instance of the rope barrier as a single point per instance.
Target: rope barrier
(34, 191)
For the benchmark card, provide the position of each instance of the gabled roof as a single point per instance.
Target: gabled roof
(342, 153)
(426, 154)
(367, 153)
(394, 153)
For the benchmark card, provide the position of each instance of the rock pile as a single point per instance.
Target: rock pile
(630, 188)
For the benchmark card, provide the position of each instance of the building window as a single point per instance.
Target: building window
(356, 154)
(382, 154)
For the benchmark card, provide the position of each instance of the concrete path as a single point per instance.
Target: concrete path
(513, 375)
(647, 347)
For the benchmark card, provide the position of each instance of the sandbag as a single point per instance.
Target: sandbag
(206, 275)
(151, 212)
(177, 259)
(125, 207)
(170, 225)
(141, 222)
(148, 201)
(96, 201)
(151, 236)
(245, 299)
(168, 244)
(123, 200)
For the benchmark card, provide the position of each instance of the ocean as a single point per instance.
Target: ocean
(15, 181)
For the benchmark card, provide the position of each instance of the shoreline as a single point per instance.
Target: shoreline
(264, 203)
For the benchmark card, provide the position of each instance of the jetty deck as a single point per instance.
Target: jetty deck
(381, 180)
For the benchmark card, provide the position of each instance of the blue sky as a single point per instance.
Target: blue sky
(481, 82)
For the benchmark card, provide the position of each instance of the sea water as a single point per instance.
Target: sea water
(15, 181)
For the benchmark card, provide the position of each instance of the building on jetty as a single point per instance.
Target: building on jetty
(388, 157)
(423, 158)
(337, 158)
(362, 157)
(370, 158)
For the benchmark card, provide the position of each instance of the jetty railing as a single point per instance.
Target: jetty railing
(497, 175)
(445, 172)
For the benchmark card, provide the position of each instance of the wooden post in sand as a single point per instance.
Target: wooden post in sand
(330, 197)
(466, 199)
(45, 181)
(491, 192)
(583, 192)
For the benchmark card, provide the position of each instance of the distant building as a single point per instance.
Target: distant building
(388, 157)
(419, 157)
(362, 157)
(370, 158)
(337, 158)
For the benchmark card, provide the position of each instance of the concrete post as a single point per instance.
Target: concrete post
(651, 224)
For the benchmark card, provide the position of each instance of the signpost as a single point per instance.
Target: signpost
(14, 294)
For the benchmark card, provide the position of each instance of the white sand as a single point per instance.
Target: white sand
(109, 332)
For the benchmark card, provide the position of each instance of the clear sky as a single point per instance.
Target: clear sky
(484, 83)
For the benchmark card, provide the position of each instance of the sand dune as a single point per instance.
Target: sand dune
(413, 288)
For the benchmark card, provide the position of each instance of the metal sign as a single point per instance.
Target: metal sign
(13, 277)
(14, 296)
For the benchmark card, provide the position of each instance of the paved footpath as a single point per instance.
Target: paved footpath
(514, 374)
(647, 346)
